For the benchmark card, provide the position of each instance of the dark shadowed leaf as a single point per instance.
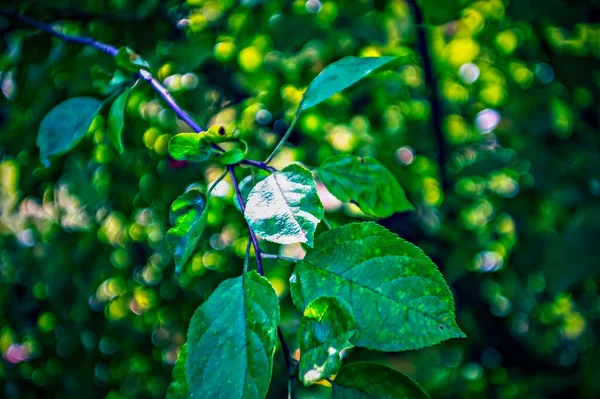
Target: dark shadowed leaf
(116, 120)
(371, 380)
(325, 329)
(398, 297)
(232, 339)
(65, 125)
(365, 182)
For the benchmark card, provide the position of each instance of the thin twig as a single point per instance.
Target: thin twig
(240, 199)
(283, 140)
(287, 354)
(281, 257)
(431, 82)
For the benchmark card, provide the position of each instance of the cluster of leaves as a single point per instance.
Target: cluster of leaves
(89, 235)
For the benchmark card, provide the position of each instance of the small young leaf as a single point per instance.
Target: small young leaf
(116, 120)
(178, 389)
(365, 182)
(232, 339)
(325, 328)
(189, 147)
(371, 380)
(398, 297)
(65, 125)
(285, 208)
(234, 155)
(129, 60)
(341, 75)
(188, 218)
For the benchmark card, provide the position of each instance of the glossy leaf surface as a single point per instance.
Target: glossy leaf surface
(399, 298)
(232, 339)
(285, 208)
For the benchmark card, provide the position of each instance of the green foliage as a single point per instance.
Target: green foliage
(189, 147)
(232, 338)
(116, 120)
(65, 125)
(399, 298)
(370, 380)
(341, 75)
(364, 182)
(188, 218)
(324, 333)
(284, 208)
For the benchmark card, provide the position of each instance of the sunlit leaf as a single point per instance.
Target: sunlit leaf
(364, 182)
(325, 329)
(188, 218)
(65, 125)
(232, 339)
(116, 120)
(371, 380)
(285, 208)
(398, 297)
(189, 147)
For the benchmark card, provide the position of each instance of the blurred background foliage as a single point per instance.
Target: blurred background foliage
(90, 304)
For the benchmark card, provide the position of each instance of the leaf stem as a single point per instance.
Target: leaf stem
(290, 364)
(327, 223)
(240, 199)
(283, 140)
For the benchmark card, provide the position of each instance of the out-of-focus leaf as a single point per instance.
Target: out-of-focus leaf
(188, 218)
(65, 125)
(371, 380)
(398, 297)
(232, 339)
(116, 120)
(325, 329)
(365, 182)
(285, 208)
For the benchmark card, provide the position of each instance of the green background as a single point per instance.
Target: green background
(90, 304)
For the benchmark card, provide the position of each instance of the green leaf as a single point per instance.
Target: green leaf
(285, 208)
(127, 59)
(220, 134)
(398, 297)
(188, 147)
(178, 389)
(234, 155)
(341, 75)
(365, 380)
(365, 182)
(325, 330)
(188, 218)
(116, 120)
(232, 339)
(65, 125)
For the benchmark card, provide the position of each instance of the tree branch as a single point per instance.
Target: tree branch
(431, 82)
(142, 74)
